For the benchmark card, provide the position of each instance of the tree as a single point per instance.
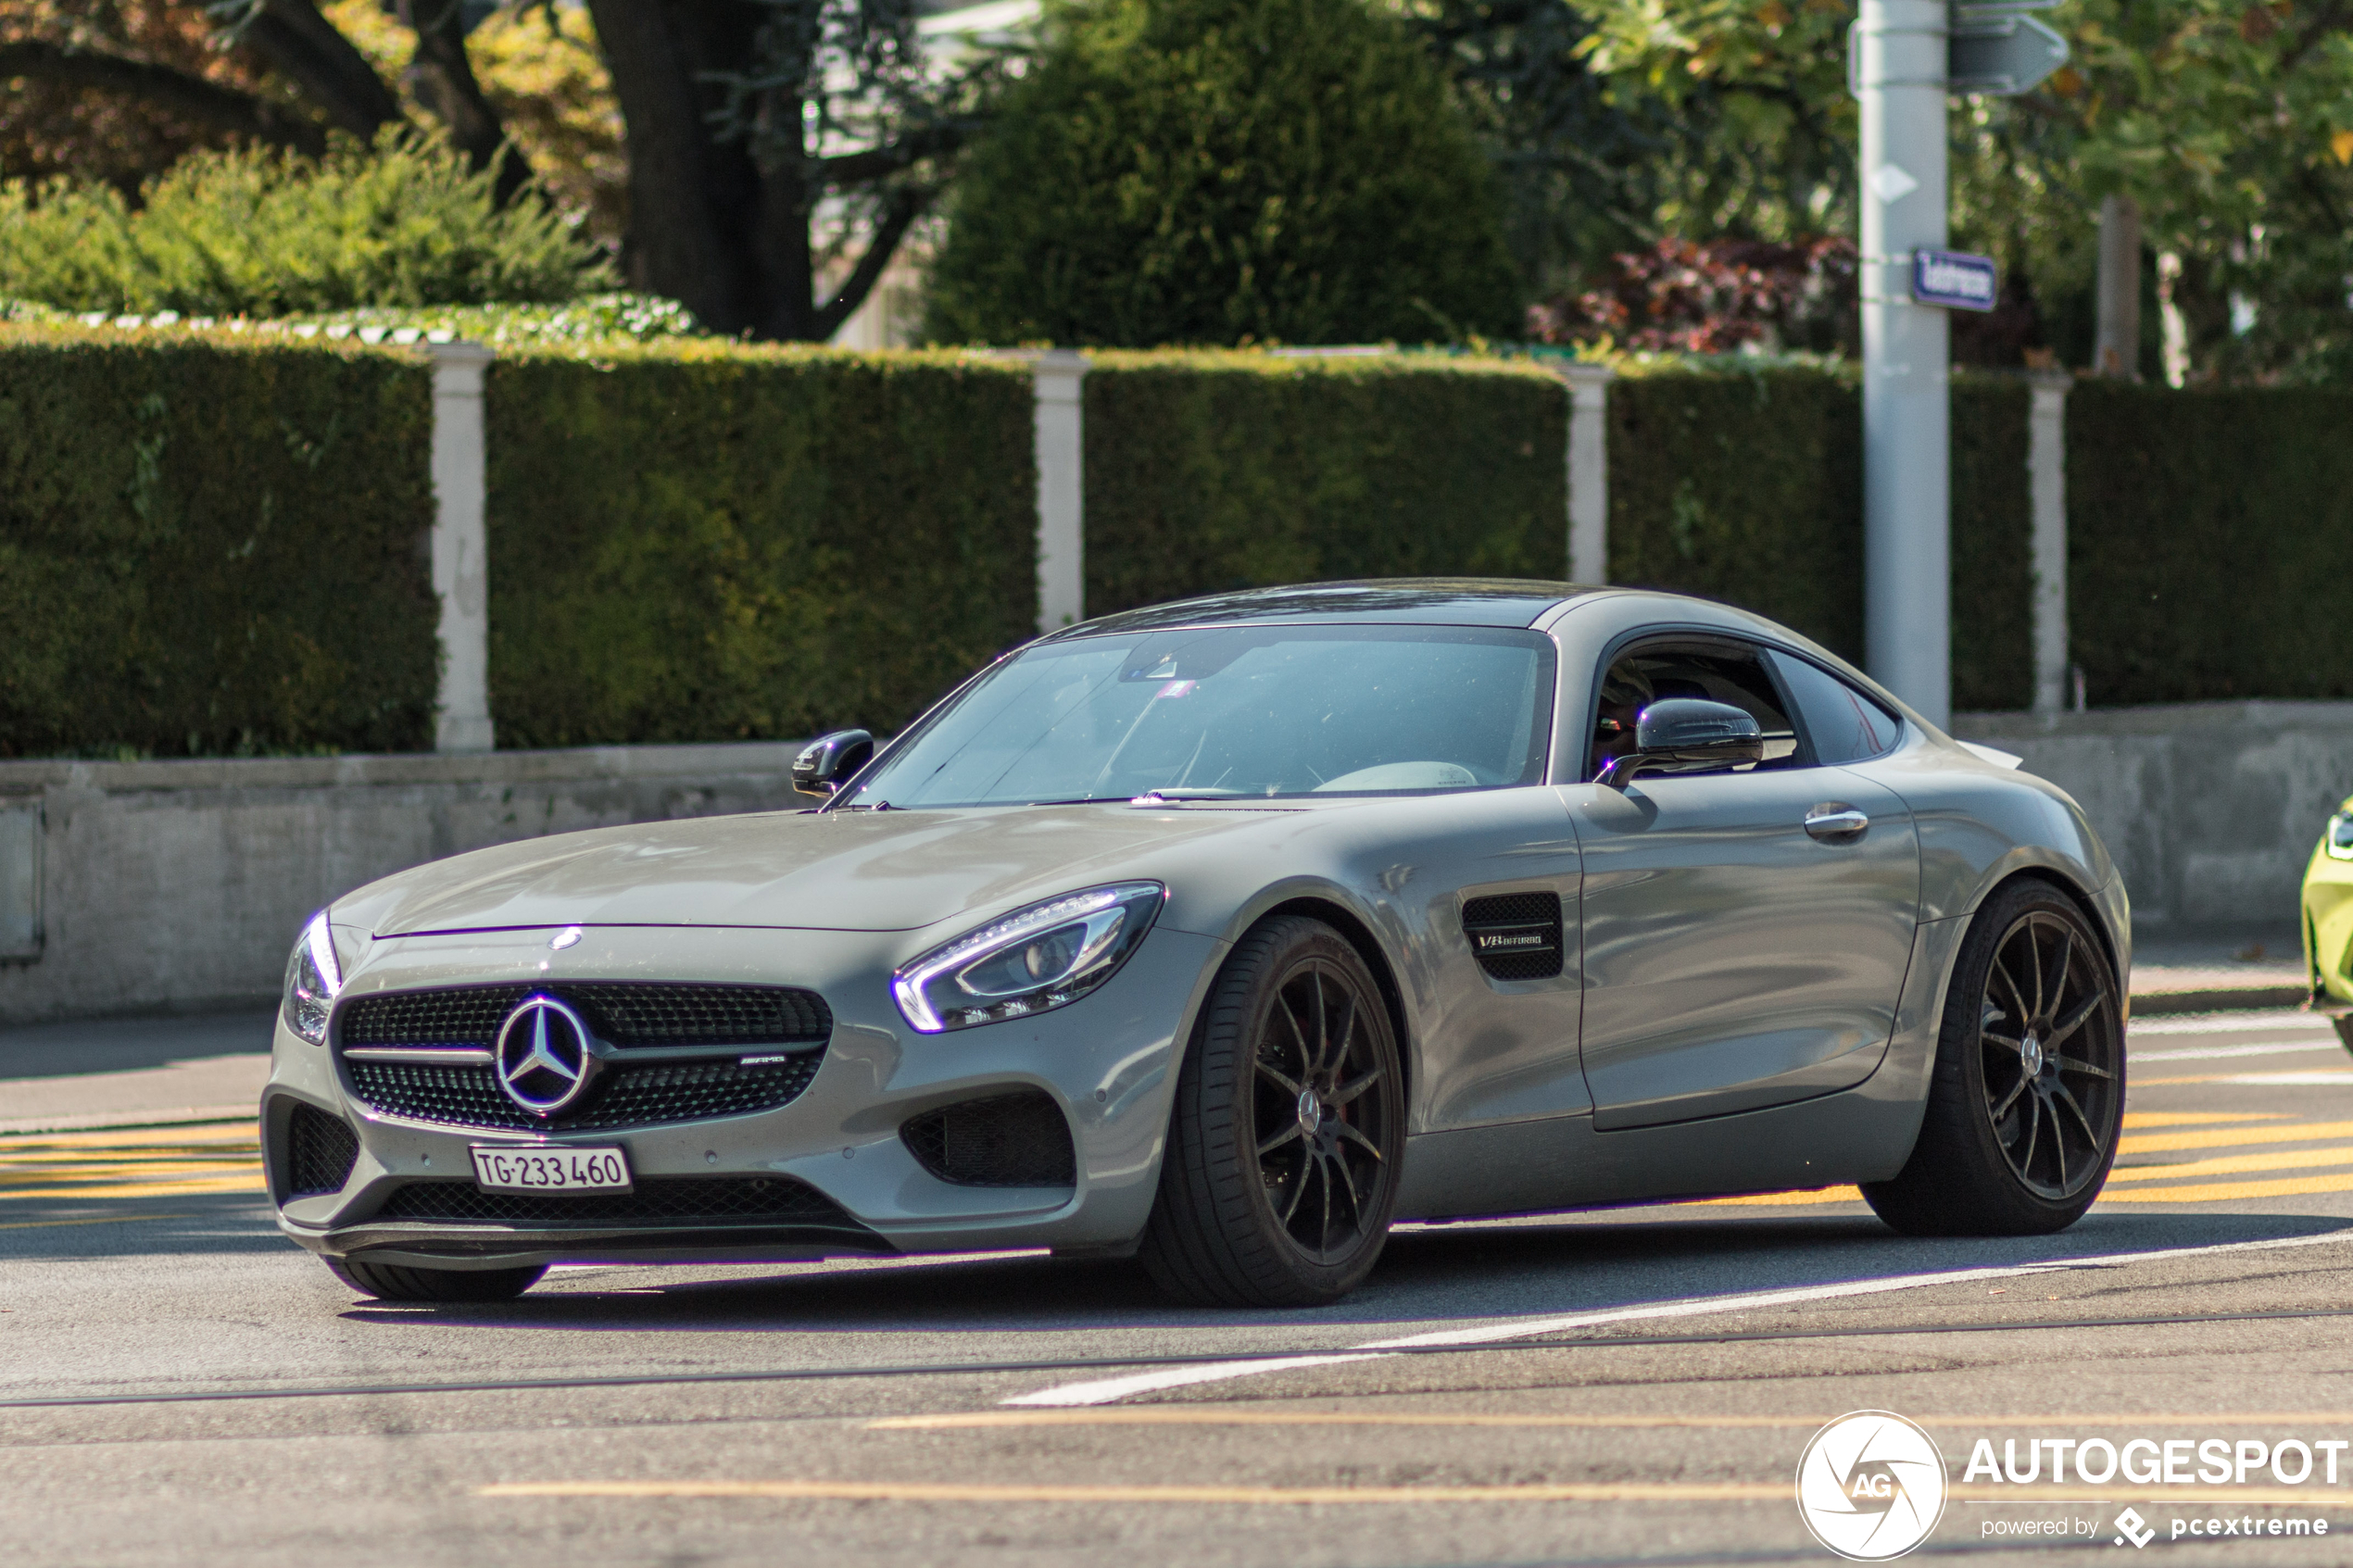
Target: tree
(760, 133)
(1225, 172)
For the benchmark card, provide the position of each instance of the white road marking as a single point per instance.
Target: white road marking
(2230, 1023)
(2202, 1053)
(1103, 1391)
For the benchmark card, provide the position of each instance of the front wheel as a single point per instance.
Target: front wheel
(2028, 1095)
(1280, 1173)
(399, 1281)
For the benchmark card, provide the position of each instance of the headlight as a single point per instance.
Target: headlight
(312, 979)
(1035, 958)
(2340, 837)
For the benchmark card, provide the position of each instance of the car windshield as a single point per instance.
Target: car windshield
(1236, 712)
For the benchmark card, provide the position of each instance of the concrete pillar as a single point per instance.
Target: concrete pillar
(1588, 472)
(1062, 503)
(2046, 485)
(460, 567)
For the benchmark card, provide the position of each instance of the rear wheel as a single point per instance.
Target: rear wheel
(1281, 1169)
(399, 1282)
(2028, 1095)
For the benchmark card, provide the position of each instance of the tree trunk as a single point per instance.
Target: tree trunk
(443, 79)
(2119, 350)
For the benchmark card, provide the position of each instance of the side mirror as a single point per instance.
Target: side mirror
(827, 763)
(1687, 736)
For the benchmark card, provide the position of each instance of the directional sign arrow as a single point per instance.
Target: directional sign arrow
(2001, 54)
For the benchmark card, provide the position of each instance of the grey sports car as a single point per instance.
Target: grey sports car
(1224, 935)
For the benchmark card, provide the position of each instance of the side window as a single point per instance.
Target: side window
(1843, 725)
(1715, 671)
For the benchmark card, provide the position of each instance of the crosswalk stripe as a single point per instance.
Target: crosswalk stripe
(2223, 1137)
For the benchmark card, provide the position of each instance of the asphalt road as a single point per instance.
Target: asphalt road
(178, 1385)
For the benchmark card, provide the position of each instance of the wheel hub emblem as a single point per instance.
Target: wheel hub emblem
(2030, 1056)
(543, 1056)
(1311, 1112)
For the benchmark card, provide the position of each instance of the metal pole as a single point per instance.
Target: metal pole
(1588, 473)
(1899, 67)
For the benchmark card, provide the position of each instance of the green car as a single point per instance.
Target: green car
(2328, 913)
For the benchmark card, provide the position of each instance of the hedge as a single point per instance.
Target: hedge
(213, 545)
(212, 548)
(1747, 486)
(1207, 471)
(2205, 529)
(714, 541)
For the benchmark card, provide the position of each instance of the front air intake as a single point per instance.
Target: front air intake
(321, 1151)
(1516, 936)
(1017, 1140)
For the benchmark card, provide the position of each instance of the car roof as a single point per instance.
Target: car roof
(1446, 601)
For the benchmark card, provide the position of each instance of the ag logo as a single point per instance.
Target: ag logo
(1871, 1486)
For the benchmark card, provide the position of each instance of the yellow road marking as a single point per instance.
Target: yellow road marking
(2190, 1119)
(1633, 1491)
(131, 1138)
(2150, 1143)
(2286, 1159)
(104, 1220)
(1778, 1199)
(132, 1162)
(2224, 1192)
(1198, 1415)
(2345, 1073)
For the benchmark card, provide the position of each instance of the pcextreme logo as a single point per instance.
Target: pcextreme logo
(1871, 1486)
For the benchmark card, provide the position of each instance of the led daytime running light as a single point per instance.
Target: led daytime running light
(1131, 905)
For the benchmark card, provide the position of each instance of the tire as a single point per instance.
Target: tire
(399, 1282)
(1269, 1199)
(2021, 1122)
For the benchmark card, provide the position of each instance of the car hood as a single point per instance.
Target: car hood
(835, 871)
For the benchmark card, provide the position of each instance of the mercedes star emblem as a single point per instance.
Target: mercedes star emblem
(543, 1056)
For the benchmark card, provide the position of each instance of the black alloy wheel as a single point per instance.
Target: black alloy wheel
(2049, 1073)
(1321, 1125)
(1281, 1174)
(2026, 1095)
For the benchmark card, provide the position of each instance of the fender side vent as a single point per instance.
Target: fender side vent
(321, 1151)
(1516, 936)
(1004, 1141)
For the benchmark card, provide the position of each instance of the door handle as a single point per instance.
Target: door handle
(1835, 822)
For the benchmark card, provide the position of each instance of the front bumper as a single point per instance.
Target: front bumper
(1107, 1063)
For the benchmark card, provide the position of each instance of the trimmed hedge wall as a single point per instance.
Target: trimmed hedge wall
(713, 542)
(216, 546)
(1207, 471)
(2204, 533)
(210, 549)
(1747, 486)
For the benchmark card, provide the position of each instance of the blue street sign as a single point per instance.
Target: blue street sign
(1955, 278)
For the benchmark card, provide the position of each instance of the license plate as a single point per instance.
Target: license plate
(550, 1170)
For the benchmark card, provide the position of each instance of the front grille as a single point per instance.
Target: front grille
(1016, 1140)
(1516, 936)
(623, 1013)
(658, 1200)
(623, 1095)
(321, 1151)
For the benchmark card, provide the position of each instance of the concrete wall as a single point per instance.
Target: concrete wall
(179, 887)
(162, 887)
(2210, 808)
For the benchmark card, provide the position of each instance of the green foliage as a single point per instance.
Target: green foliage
(1225, 171)
(1210, 472)
(2205, 530)
(209, 549)
(261, 233)
(706, 541)
(1747, 488)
